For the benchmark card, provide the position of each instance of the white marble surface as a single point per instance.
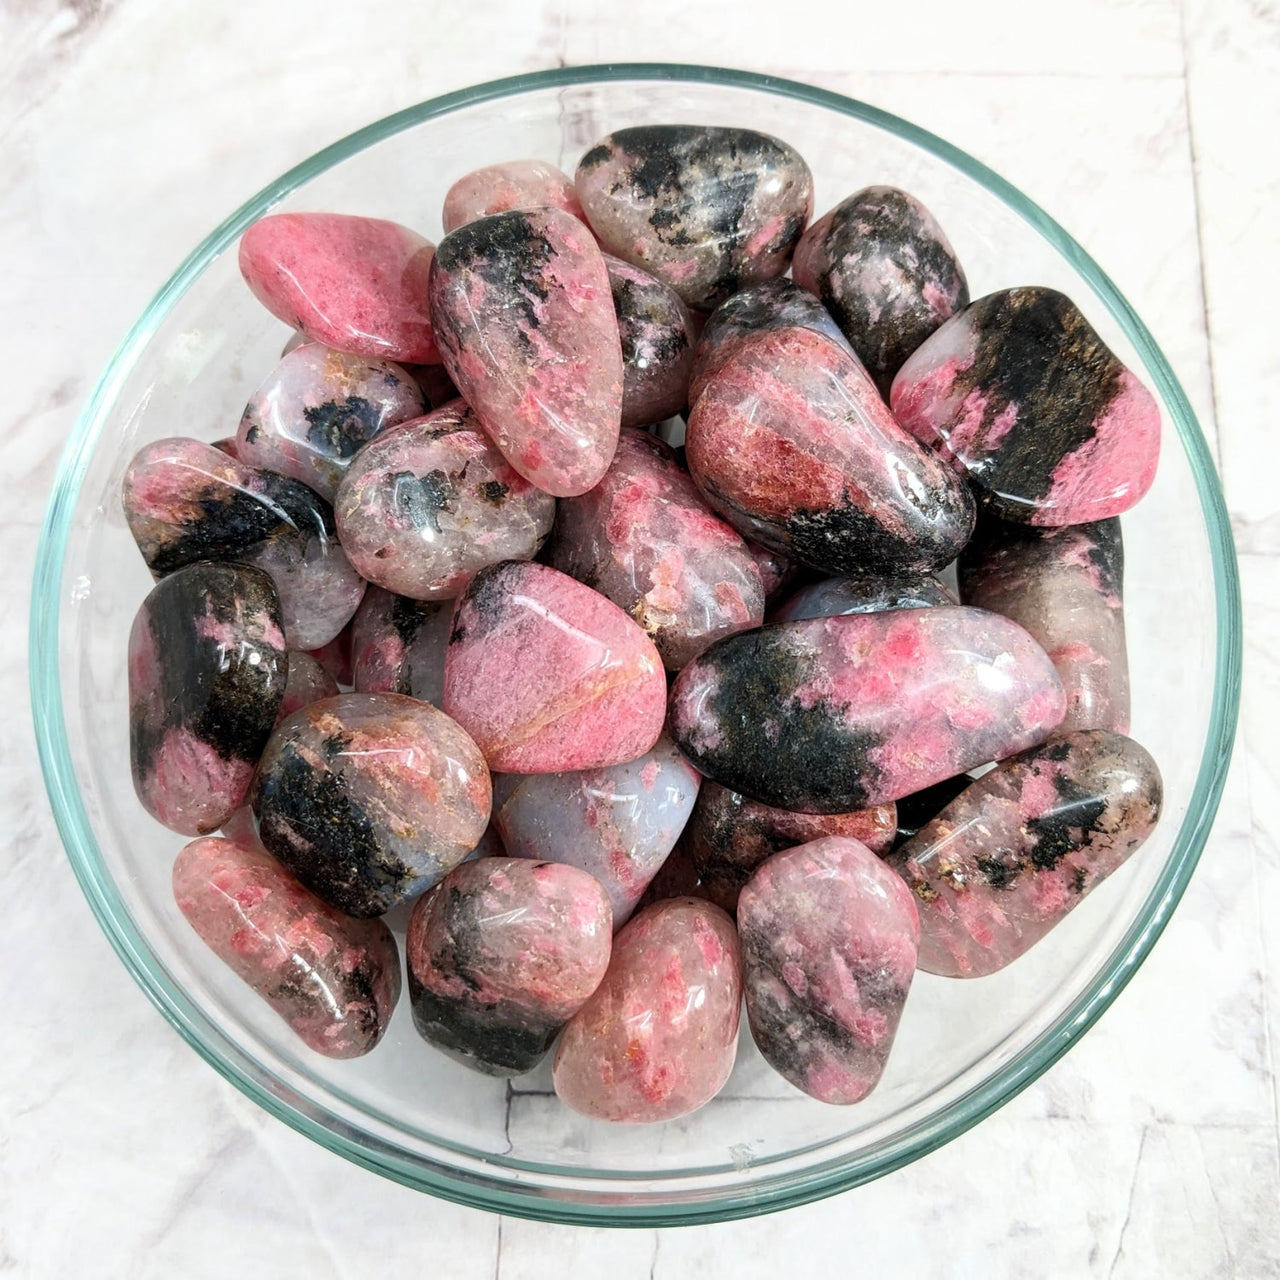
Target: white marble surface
(129, 127)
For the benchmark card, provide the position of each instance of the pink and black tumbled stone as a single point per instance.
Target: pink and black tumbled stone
(501, 955)
(1018, 849)
(1030, 404)
(334, 980)
(709, 210)
(207, 672)
(791, 443)
(921, 807)
(828, 952)
(370, 799)
(308, 682)
(884, 269)
(828, 715)
(398, 645)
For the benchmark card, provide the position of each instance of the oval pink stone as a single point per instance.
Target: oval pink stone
(659, 1037)
(524, 316)
(546, 674)
(354, 284)
(514, 184)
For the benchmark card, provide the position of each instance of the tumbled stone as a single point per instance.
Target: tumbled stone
(186, 501)
(1019, 848)
(864, 593)
(828, 953)
(335, 657)
(354, 284)
(884, 269)
(207, 671)
(435, 384)
(525, 320)
(308, 682)
(370, 798)
(501, 955)
(709, 210)
(676, 878)
(513, 184)
(1066, 587)
(398, 645)
(773, 304)
(317, 408)
(644, 538)
(334, 980)
(921, 807)
(619, 824)
(426, 505)
(1033, 408)
(659, 1036)
(729, 836)
(547, 675)
(791, 443)
(778, 573)
(657, 345)
(833, 714)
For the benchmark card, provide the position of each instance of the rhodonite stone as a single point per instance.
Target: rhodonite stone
(828, 953)
(317, 408)
(921, 807)
(709, 210)
(501, 955)
(334, 980)
(644, 538)
(514, 184)
(207, 671)
(1033, 408)
(308, 682)
(884, 269)
(659, 1036)
(1065, 586)
(435, 384)
(1019, 848)
(354, 284)
(773, 304)
(729, 836)
(778, 573)
(619, 824)
(426, 505)
(547, 675)
(335, 657)
(864, 593)
(525, 320)
(657, 345)
(791, 443)
(676, 878)
(187, 501)
(398, 645)
(370, 798)
(833, 714)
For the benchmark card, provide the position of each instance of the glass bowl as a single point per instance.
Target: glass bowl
(188, 366)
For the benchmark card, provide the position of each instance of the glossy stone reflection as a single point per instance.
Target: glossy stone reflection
(657, 344)
(398, 645)
(501, 955)
(1018, 849)
(334, 980)
(864, 593)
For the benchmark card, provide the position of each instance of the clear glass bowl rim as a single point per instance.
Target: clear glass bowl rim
(769, 1192)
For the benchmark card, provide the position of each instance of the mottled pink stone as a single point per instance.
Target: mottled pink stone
(398, 645)
(334, 980)
(354, 284)
(1028, 402)
(547, 675)
(427, 504)
(828, 715)
(513, 184)
(308, 682)
(525, 320)
(829, 943)
(645, 538)
(1018, 849)
(501, 954)
(658, 1038)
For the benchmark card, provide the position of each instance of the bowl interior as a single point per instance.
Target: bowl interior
(964, 1047)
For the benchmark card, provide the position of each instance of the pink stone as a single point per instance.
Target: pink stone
(335, 657)
(514, 184)
(501, 954)
(645, 538)
(398, 645)
(547, 675)
(658, 1038)
(428, 503)
(829, 942)
(525, 320)
(354, 284)
(334, 980)
(308, 682)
